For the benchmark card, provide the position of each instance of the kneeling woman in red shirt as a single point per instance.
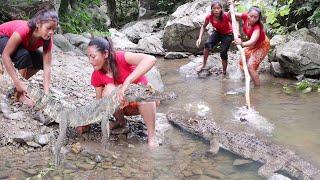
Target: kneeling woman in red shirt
(113, 68)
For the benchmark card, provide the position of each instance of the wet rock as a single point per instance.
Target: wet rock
(212, 172)
(31, 172)
(187, 173)
(106, 165)
(22, 136)
(89, 161)
(98, 159)
(276, 70)
(175, 55)
(118, 163)
(240, 162)
(33, 144)
(4, 174)
(85, 166)
(69, 165)
(17, 116)
(42, 139)
(204, 73)
(197, 170)
(202, 177)
(278, 177)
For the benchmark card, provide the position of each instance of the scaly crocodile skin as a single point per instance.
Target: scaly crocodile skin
(273, 157)
(97, 111)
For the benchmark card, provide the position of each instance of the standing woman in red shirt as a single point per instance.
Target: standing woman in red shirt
(19, 41)
(258, 45)
(114, 68)
(221, 23)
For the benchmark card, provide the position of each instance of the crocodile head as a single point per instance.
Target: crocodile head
(193, 123)
(136, 92)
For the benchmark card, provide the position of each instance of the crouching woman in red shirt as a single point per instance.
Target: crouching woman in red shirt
(19, 41)
(114, 68)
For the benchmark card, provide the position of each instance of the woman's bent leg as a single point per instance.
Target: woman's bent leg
(148, 113)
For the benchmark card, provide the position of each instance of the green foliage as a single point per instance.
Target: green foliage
(169, 6)
(127, 12)
(287, 15)
(302, 86)
(80, 19)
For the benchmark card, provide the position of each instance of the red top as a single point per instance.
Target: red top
(22, 28)
(224, 26)
(100, 79)
(249, 30)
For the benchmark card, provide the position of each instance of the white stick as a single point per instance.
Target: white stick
(235, 29)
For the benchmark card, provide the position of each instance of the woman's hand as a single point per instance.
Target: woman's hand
(230, 2)
(120, 95)
(198, 42)
(21, 87)
(238, 41)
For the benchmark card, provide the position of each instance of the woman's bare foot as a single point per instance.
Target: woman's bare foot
(152, 143)
(200, 67)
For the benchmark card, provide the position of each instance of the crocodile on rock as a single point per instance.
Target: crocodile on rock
(274, 158)
(98, 111)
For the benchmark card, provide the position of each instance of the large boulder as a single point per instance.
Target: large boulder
(21, 9)
(140, 29)
(120, 40)
(152, 44)
(154, 78)
(181, 32)
(299, 57)
(63, 43)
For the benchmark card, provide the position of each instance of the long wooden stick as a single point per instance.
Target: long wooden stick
(236, 33)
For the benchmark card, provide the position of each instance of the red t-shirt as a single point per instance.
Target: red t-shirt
(100, 79)
(22, 28)
(249, 30)
(224, 26)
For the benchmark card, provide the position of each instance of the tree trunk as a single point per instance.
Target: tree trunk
(112, 12)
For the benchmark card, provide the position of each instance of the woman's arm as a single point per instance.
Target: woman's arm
(203, 27)
(11, 46)
(99, 91)
(253, 40)
(143, 64)
(47, 59)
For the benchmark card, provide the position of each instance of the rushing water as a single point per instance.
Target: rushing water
(293, 120)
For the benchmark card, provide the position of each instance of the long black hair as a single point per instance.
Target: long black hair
(104, 45)
(41, 17)
(258, 10)
(217, 2)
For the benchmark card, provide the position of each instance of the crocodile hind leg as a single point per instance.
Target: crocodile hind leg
(268, 169)
(62, 136)
(214, 145)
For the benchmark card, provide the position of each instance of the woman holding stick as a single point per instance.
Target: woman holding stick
(258, 45)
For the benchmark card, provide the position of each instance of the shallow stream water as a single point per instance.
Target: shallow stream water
(295, 119)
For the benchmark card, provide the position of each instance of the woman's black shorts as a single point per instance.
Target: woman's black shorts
(225, 40)
(23, 58)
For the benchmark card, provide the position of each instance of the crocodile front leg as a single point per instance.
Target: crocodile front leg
(63, 117)
(105, 129)
(269, 168)
(214, 145)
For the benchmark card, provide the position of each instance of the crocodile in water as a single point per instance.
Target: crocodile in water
(274, 158)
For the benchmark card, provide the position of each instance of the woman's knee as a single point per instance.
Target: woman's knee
(22, 59)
